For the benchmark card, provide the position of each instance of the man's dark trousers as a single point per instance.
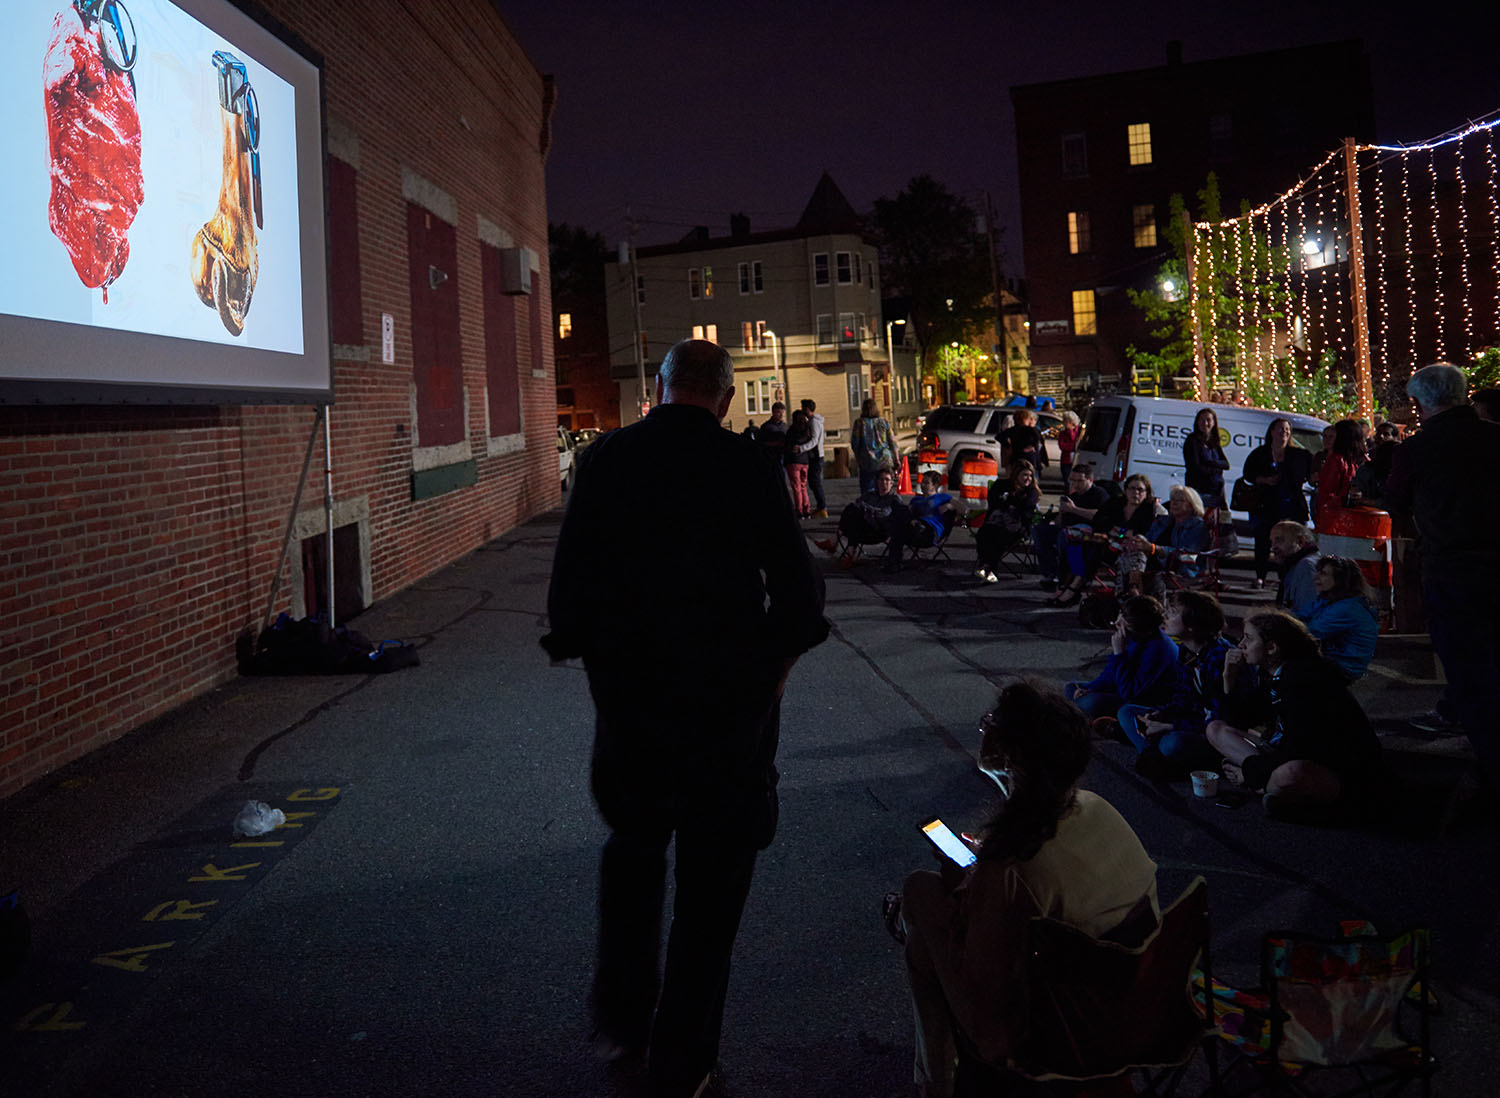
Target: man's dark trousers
(815, 481)
(1463, 618)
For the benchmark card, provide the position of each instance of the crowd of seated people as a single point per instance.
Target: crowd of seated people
(1141, 669)
(1076, 507)
(923, 522)
(1131, 513)
(1175, 543)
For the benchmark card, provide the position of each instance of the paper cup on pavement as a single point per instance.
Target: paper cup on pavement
(1205, 783)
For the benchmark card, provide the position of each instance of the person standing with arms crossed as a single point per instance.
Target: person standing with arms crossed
(688, 622)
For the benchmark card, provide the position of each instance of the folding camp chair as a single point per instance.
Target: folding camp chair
(1100, 1012)
(1334, 1016)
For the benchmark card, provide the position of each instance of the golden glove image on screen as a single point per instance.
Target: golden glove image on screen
(225, 261)
(94, 134)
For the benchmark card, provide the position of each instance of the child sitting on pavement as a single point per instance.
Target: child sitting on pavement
(1170, 739)
(1142, 665)
(1318, 758)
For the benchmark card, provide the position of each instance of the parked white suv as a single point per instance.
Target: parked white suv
(565, 450)
(972, 430)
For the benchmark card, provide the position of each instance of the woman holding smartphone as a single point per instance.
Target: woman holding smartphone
(1049, 849)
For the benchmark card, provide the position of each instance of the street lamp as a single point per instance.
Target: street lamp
(786, 384)
(890, 351)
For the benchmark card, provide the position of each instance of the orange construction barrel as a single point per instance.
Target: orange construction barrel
(1364, 535)
(975, 476)
(933, 461)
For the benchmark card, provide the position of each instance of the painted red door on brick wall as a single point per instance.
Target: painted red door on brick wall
(500, 358)
(437, 366)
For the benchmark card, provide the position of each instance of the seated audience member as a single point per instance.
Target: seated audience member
(1142, 666)
(1342, 617)
(1050, 849)
(1170, 739)
(1132, 513)
(1173, 543)
(1076, 508)
(1318, 757)
(1294, 551)
(924, 522)
(867, 520)
(1336, 476)
(1008, 521)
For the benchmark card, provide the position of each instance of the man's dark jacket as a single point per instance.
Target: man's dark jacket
(683, 580)
(1444, 477)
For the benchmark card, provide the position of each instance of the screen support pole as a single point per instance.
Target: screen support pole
(328, 504)
(291, 520)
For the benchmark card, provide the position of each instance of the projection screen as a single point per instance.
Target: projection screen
(162, 207)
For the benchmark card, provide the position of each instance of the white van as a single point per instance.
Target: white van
(1129, 434)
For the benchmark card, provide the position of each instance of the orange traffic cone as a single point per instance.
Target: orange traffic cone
(904, 487)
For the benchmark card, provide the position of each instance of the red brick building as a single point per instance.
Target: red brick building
(1101, 156)
(138, 543)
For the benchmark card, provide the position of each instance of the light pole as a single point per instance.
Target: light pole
(890, 353)
(786, 384)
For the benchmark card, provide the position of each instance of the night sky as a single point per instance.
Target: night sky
(686, 113)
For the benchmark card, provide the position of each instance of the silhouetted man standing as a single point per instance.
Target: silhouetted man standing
(1443, 477)
(688, 608)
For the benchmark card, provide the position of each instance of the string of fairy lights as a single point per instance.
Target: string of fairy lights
(1272, 290)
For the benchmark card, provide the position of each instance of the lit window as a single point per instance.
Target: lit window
(765, 395)
(760, 283)
(825, 328)
(708, 282)
(843, 268)
(564, 325)
(697, 331)
(859, 326)
(711, 333)
(856, 391)
(1139, 136)
(1083, 313)
(1075, 155)
(820, 268)
(760, 335)
(695, 283)
(744, 278)
(1143, 219)
(750, 406)
(747, 335)
(1080, 240)
(846, 327)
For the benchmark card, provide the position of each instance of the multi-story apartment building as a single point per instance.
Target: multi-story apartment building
(798, 308)
(1101, 156)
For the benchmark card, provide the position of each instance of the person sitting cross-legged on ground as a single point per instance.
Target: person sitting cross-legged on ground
(923, 523)
(1008, 522)
(1343, 618)
(1051, 849)
(1076, 508)
(1132, 513)
(1142, 666)
(1170, 740)
(1294, 550)
(1318, 757)
(867, 520)
(1173, 542)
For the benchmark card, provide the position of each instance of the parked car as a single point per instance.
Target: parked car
(1131, 434)
(970, 430)
(565, 451)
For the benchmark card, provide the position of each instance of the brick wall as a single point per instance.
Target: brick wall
(136, 544)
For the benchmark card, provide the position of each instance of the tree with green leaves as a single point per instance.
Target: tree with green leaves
(933, 253)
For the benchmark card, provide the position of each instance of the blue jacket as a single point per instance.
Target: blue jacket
(1198, 696)
(1143, 674)
(1347, 629)
(929, 509)
(1297, 593)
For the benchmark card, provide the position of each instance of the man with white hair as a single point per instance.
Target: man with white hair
(1442, 477)
(688, 618)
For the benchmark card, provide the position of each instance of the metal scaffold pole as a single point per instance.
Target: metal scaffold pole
(1363, 386)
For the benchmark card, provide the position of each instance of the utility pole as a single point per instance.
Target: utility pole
(1363, 387)
(635, 301)
(992, 244)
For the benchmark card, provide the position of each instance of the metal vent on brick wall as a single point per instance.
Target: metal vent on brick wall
(435, 277)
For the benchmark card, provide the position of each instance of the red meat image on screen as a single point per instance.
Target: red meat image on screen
(94, 134)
